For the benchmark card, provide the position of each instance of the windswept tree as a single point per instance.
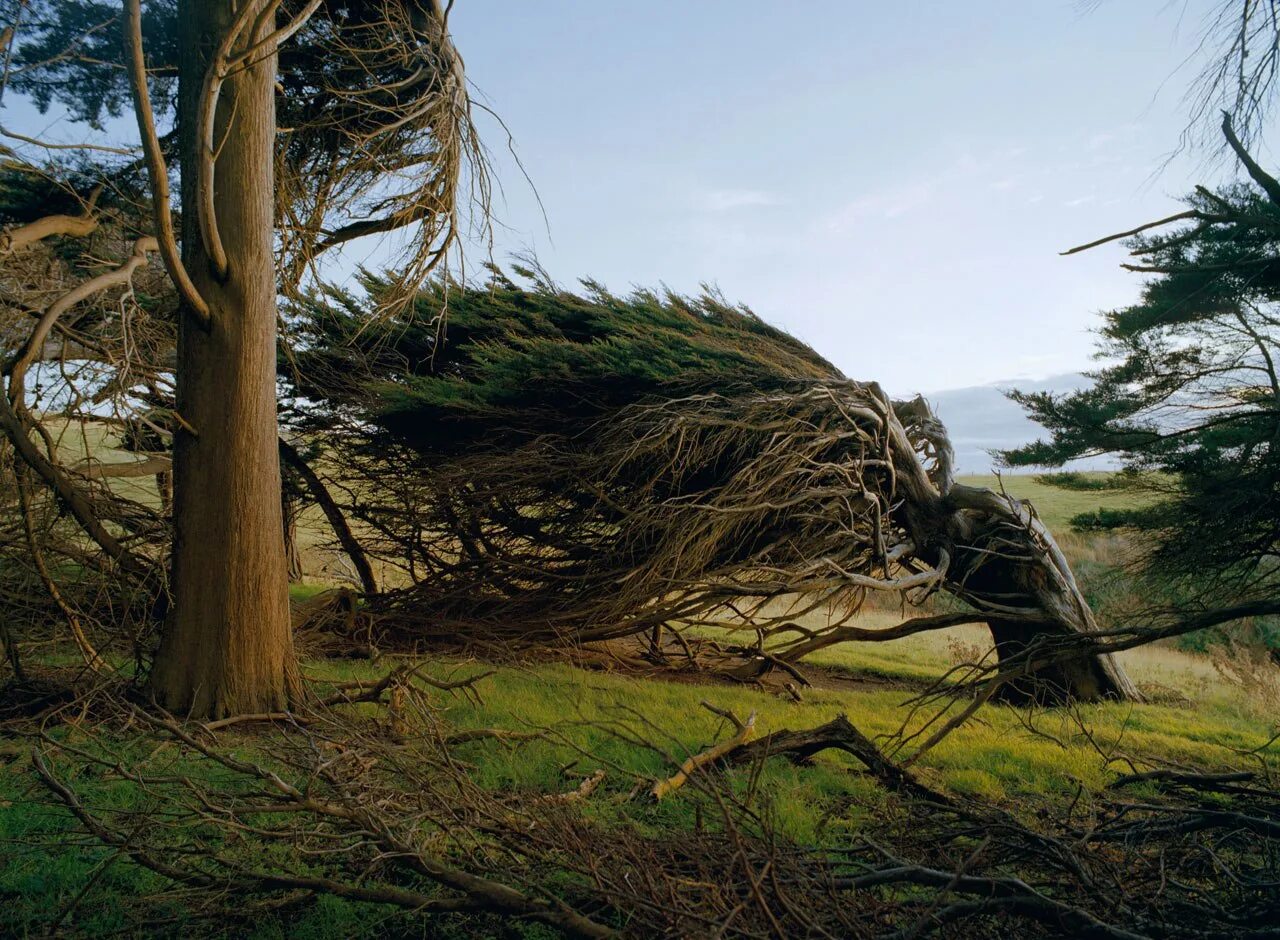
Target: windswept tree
(297, 126)
(1238, 61)
(586, 467)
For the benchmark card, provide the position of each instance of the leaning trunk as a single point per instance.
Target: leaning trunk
(290, 507)
(227, 647)
(1008, 565)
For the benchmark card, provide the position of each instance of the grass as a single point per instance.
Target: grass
(1005, 755)
(1056, 505)
(1023, 761)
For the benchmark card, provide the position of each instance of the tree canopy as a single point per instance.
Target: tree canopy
(568, 467)
(1190, 398)
(494, 364)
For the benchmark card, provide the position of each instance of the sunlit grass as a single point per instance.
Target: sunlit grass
(1017, 759)
(1056, 505)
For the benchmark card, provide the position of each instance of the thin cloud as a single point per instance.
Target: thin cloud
(726, 200)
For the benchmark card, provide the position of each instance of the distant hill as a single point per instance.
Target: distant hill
(982, 419)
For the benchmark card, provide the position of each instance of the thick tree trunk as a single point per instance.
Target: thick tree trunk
(227, 647)
(1006, 562)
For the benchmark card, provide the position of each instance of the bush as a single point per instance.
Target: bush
(1102, 520)
(1075, 480)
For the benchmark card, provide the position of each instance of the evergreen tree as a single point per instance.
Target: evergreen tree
(568, 466)
(453, 372)
(296, 127)
(1190, 402)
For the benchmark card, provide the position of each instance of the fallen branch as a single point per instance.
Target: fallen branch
(403, 675)
(710, 756)
(490, 734)
(257, 716)
(588, 786)
(837, 734)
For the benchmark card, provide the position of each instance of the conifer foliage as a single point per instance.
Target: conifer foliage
(588, 467)
(452, 374)
(1190, 399)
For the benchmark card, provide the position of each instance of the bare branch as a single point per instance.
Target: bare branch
(159, 173)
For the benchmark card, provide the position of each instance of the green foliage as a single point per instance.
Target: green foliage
(1191, 404)
(1105, 520)
(517, 360)
(69, 52)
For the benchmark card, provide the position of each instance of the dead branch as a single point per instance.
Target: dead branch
(838, 734)
(350, 812)
(91, 658)
(1268, 183)
(744, 730)
(822, 492)
(333, 513)
(257, 716)
(74, 226)
(147, 467)
(350, 693)
(588, 786)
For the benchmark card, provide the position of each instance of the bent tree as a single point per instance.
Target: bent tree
(590, 468)
(296, 128)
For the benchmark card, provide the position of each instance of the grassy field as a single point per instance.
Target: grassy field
(1055, 505)
(1009, 756)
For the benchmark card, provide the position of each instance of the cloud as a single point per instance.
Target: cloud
(726, 200)
(888, 203)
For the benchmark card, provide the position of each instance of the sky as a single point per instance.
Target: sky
(892, 183)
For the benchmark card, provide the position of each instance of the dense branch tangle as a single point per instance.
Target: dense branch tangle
(377, 133)
(737, 508)
(83, 357)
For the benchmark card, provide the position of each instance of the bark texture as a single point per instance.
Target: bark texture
(227, 647)
(1010, 567)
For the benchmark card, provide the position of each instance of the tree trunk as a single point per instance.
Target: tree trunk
(1007, 561)
(227, 646)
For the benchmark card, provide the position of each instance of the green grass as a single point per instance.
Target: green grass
(1056, 505)
(1001, 755)
(1194, 719)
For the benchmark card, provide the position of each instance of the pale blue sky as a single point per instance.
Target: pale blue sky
(890, 182)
